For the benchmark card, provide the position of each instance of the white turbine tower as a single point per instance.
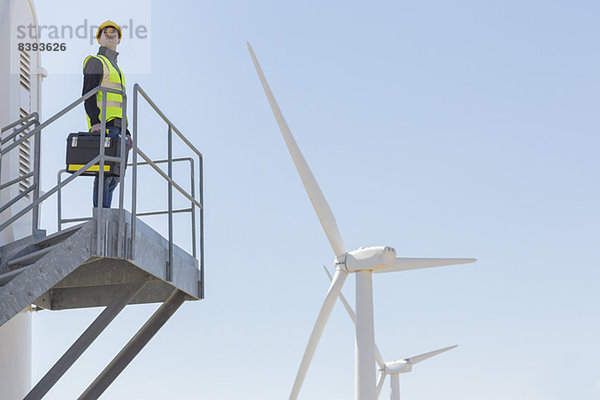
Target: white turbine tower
(21, 76)
(392, 368)
(363, 262)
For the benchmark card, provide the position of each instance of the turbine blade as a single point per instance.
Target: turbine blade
(317, 199)
(352, 315)
(404, 264)
(332, 295)
(380, 382)
(415, 359)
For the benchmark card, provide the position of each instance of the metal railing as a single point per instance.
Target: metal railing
(101, 158)
(137, 90)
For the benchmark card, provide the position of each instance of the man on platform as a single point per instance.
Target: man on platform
(102, 70)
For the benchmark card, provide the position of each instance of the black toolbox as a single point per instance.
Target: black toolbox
(82, 147)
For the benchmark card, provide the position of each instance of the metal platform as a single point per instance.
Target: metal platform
(61, 271)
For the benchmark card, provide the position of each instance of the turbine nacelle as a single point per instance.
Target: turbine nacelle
(397, 367)
(367, 259)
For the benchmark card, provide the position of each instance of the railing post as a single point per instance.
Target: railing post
(36, 176)
(193, 189)
(99, 212)
(134, 170)
(59, 201)
(201, 194)
(170, 146)
(123, 151)
(121, 251)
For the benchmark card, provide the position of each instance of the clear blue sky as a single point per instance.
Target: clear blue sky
(443, 129)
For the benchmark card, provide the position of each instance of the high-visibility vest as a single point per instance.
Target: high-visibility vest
(111, 78)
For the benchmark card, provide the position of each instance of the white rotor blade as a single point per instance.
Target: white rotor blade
(332, 295)
(404, 264)
(310, 184)
(352, 315)
(381, 382)
(421, 357)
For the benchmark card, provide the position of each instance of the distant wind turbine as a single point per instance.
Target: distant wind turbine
(363, 262)
(395, 368)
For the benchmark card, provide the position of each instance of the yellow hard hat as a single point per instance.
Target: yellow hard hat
(106, 24)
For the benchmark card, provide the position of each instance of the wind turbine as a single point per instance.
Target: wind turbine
(392, 368)
(395, 368)
(363, 262)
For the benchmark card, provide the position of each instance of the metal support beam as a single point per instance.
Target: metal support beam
(84, 341)
(135, 345)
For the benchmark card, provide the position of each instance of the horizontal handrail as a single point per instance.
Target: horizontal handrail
(191, 160)
(17, 198)
(20, 121)
(148, 213)
(139, 214)
(66, 221)
(16, 180)
(116, 159)
(16, 132)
